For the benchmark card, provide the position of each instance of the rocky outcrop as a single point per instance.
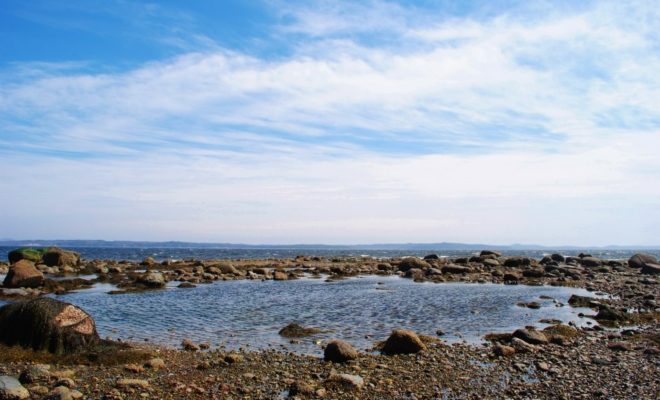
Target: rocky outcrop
(152, 280)
(23, 274)
(25, 253)
(412, 262)
(48, 325)
(403, 341)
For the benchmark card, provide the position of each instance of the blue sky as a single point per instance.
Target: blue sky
(331, 121)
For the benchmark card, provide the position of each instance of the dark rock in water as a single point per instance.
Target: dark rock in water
(531, 336)
(26, 253)
(339, 351)
(297, 330)
(56, 257)
(23, 274)
(582, 255)
(186, 285)
(153, 280)
(651, 269)
(431, 257)
(403, 341)
(412, 262)
(511, 278)
(47, 324)
(639, 259)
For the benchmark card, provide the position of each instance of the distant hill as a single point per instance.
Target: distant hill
(381, 246)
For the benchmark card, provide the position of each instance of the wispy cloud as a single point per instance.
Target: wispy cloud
(380, 114)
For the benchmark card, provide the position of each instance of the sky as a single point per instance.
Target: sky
(337, 122)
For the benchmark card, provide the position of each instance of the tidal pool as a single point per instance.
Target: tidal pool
(361, 310)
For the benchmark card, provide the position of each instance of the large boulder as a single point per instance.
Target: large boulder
(152, 280)
(26, 253)
(46, 324)
(339, 351)
(56, 257)
(23, 274)
(403, 341)
(639, 259)
(412, 262)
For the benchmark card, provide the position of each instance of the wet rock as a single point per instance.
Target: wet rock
(186, 285)
(11, 389)
(591, 262)
(531, 336)
(412, 262)
(523, 346)
(403, 341)
(638, 260)
(516, 262)
(47, 324)
(429, 257)
(619, 346)
(23, 274)
(339, 351)
(511, 278)
(533, 273)
(296, 330)
(582, 301)
(56, 257)
(152, 280)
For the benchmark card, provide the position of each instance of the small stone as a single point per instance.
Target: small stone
(134, 368)
(60, 393)
(66, 382)
(233, 358)
(347, 380)
(501, 350)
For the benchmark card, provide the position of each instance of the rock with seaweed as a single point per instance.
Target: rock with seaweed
(47, 324)
(26, 253)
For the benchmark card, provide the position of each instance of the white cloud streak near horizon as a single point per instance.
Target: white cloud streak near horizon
(528, 129)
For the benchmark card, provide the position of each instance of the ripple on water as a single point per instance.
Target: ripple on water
(361, 310)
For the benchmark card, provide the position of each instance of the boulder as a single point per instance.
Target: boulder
(153, 280)
(486, 253)
(431, 257)
(339, 351)
(280, 276)
(412, 262)
(456, 269)
(296, 330)
(557, 257)
(56, 257)
(533, 273)
(591, 262)
(501, 350)
(23, 274)
(47, 324)
(531, 336)
(606, 313)
(639, 259)
(515, 262)
(26, 253)
(510, 277)
(403, 341)
(11, 389)
(651, 269)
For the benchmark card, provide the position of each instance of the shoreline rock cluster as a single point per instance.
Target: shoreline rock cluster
(559, 361)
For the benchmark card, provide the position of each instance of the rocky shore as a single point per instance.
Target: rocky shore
(616, 358)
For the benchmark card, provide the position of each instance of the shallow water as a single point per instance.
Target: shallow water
(361, 310)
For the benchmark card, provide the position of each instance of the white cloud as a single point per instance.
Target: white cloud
(498, 130)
